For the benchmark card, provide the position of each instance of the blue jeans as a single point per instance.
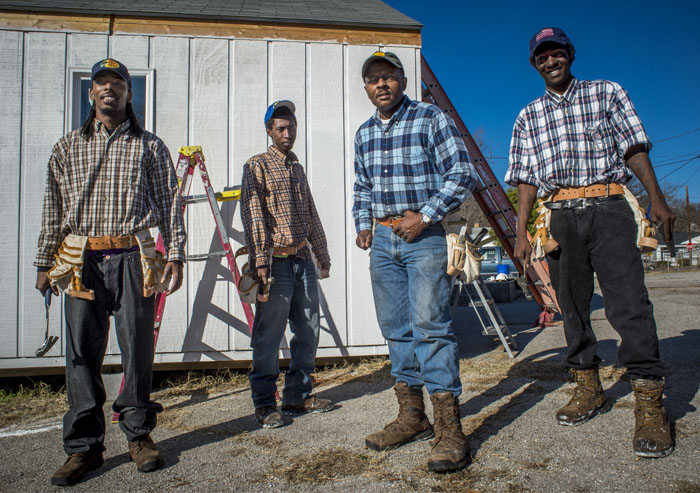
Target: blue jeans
(411, 291)
(293, 297)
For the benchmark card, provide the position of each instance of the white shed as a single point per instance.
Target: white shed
(206, 73)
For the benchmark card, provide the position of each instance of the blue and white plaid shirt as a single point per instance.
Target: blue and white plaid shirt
(417, 161)
(576, 139)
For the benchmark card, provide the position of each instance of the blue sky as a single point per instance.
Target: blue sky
(479, 49)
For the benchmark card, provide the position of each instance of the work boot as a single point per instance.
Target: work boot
(269, 417)
(75, 468)
(450, 450)
(145, 454)
(588, 400)
(312, 404)
(410, 425)
(652, 432)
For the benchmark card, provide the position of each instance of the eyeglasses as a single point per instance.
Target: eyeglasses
(542, 58)
(374, 79)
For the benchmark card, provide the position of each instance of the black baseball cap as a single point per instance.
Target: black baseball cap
(382, 55)
(548, 35)
(111, 65)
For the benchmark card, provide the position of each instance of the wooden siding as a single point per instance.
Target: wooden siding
(209, 92)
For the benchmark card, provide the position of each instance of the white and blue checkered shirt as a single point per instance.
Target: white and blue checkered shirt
(417, 161)
(576, 139)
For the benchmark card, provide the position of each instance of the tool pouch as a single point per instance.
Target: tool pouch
(456, 255)
(472, 264)
(542, 241)
(152, 264)
(646, 234)
(67, 272)
(248, 281)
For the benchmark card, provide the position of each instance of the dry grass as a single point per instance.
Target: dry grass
(326, 465)
(39, 400)
(210, 382)
(686, 486)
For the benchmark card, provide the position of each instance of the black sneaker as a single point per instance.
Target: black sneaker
(269, 417)
(312, 404)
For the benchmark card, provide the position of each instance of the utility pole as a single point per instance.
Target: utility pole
(690, 243)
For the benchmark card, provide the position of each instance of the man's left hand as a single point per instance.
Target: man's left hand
(172, 271)
(411, 227)
(325, 270)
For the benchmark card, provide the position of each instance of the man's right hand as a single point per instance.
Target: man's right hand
(263, 273)
(523, 250)
(42, 283)
(364, 239)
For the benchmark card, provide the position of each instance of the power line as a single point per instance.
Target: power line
(680, 157)
(679, 167)
(691, 175)
(676, 136)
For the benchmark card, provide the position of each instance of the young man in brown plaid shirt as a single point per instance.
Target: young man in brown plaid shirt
(281, 222)
(107, 183)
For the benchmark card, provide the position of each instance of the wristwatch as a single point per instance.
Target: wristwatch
(426, 220)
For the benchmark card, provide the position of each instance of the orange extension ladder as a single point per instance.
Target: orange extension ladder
(494, 201)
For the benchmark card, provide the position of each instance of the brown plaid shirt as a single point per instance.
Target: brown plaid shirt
(278, 209)
(110, 185)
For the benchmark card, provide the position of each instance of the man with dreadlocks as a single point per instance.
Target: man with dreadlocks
(107, 183)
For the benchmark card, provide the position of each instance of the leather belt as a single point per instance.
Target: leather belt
(111, 242)
(390, 221)
(580, 203)
(286, 251)
(591, 191)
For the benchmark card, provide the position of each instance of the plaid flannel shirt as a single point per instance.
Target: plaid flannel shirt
(110, 185)
(417, 162)
(277, 208)
(579, 138)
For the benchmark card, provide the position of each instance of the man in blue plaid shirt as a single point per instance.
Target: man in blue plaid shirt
(575, 147)
(411, 169)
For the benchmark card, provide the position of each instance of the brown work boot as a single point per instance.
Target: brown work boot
(450, 450)
(410, 425)
(652, 432)
(588, 400)
(269, 417)
(145, 454)
(312, 404)
(75, 468)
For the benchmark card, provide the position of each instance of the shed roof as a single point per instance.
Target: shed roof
(333, 12)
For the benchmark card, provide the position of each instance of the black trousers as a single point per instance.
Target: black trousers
(602, 239)
(118, 284)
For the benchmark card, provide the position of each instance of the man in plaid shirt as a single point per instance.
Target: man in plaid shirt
(411, 169)
(280, 222)
(574, 147)
(107, 181)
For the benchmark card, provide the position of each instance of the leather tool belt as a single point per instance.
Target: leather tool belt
(111, 242)
(286, 251)
(591, 191)
(390, 221)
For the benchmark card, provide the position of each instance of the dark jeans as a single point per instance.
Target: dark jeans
(118, 284)
(293, 297)
(602, 238)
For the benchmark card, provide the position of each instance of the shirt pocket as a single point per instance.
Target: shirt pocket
(599, 137)
(415, 166)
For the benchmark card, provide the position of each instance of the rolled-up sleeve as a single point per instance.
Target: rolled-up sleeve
(521, 157)
(629, 130)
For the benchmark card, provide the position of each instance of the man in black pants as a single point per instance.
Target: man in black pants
(107, 183)
(574, 147)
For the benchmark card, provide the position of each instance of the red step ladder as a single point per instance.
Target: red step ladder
(494, 201)
(190, 160)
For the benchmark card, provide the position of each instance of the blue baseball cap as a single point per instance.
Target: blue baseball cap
(276, 105)
(111, 65)
(548, 35)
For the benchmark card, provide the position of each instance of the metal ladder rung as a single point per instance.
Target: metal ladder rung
(205, 256)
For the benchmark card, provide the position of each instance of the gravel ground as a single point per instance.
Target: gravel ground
(211, 441)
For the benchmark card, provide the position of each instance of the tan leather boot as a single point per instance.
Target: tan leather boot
(588, 400)
(652, 432)
(450, 450)
(410, 425)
